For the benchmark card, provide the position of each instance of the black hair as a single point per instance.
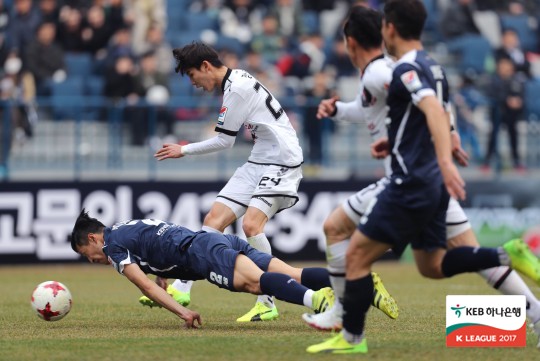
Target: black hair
(364, 25)
(193, 55)
(83, 226)
(408, 17)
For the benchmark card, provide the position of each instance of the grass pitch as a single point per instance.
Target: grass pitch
(107, 323)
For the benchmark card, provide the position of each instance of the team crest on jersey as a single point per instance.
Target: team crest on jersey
(411, 80)
(221, 117)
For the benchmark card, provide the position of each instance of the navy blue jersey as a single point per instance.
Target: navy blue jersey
(158, 247)
(415, 76)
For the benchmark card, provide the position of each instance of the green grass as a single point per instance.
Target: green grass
(107, 323)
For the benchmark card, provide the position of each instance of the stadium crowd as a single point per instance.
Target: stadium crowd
(121, 50)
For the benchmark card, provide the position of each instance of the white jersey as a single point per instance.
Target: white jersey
(246, 102)
(370, 103)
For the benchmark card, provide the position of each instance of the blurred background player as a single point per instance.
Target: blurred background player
(364, 39)
(268, 182)
(402, 208)
(140, 246)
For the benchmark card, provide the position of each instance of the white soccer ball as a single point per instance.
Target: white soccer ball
(51, 300)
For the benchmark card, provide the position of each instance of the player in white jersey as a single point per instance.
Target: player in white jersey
(268, 182)
(370, 107)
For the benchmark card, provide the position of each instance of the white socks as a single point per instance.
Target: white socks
(182, 286)
(335, 256)
(308, 298)
(508, 282)
(261, 243)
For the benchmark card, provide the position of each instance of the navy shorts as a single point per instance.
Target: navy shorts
(403, 214)
(213, 255)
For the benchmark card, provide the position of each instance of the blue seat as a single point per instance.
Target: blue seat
(67, 97)
(201, 21)
(473, 50)
(78, 64)
(527, 35)
(532, 105)
(180, 85)
(231, 44)
(181, 38)
(94, 85)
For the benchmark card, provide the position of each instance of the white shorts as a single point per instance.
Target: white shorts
(355, 206)
(270, 188)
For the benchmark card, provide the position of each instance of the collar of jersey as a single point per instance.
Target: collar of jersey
(229, 71)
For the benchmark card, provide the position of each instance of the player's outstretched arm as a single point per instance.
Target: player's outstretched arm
(150, 289)
(434, 112)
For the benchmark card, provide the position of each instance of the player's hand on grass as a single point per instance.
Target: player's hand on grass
(380, 148)
(327, 107)
(191, 318)
(169, 150)
(453, 181)
(459, 154)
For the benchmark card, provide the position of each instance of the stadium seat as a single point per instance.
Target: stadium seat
(67, 97)
(532, 105)
(231, 44)
(474, 52)
(78, 64)
(180, 85)
(181, 38)
(201, 21)
(526, 34)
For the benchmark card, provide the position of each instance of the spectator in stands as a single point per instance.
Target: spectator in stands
(96, 31)
(143, 14)
(50, 12)
(121, 89)
(458, 19)
(119, 46)
(313, 46)
(17, 86)
(270, 44)
(511, 49)
(316, 129)
(22, 26)
(240, 19)
(70, 28)
(114, 11)
(506, 93)
(4, 24)
(466, 99)
(154, 86)
(338, 60)
(289, 17)
(45, 58)
(156, 43)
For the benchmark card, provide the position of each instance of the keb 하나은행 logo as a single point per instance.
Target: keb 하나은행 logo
(486, 321)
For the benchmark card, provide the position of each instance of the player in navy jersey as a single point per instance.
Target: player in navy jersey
(146, 246)
(362, 31)
(268, 182)
(412, 205)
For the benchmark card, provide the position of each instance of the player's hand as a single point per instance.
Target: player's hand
(455, 185)
(380, 148)
(191, 318)
(169, 150)
(327, 107)
(161, 282)
(459, 154)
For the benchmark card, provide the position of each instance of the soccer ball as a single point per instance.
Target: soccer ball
(51, 300)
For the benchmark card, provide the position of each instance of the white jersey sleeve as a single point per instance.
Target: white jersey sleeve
(350, 111)
(215, 144)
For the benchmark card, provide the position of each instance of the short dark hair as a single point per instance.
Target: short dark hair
(192, 56)
(408, 17)
(364, 25)
(83, 226)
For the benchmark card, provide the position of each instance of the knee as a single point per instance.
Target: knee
(330, 228)
(251, 228)
(213, 220)
(431, 271)
(253, 288)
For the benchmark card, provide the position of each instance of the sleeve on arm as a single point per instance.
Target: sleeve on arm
(350, 111)
(234, 112)
(119, 258)
(415, 83)
(217, 143)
